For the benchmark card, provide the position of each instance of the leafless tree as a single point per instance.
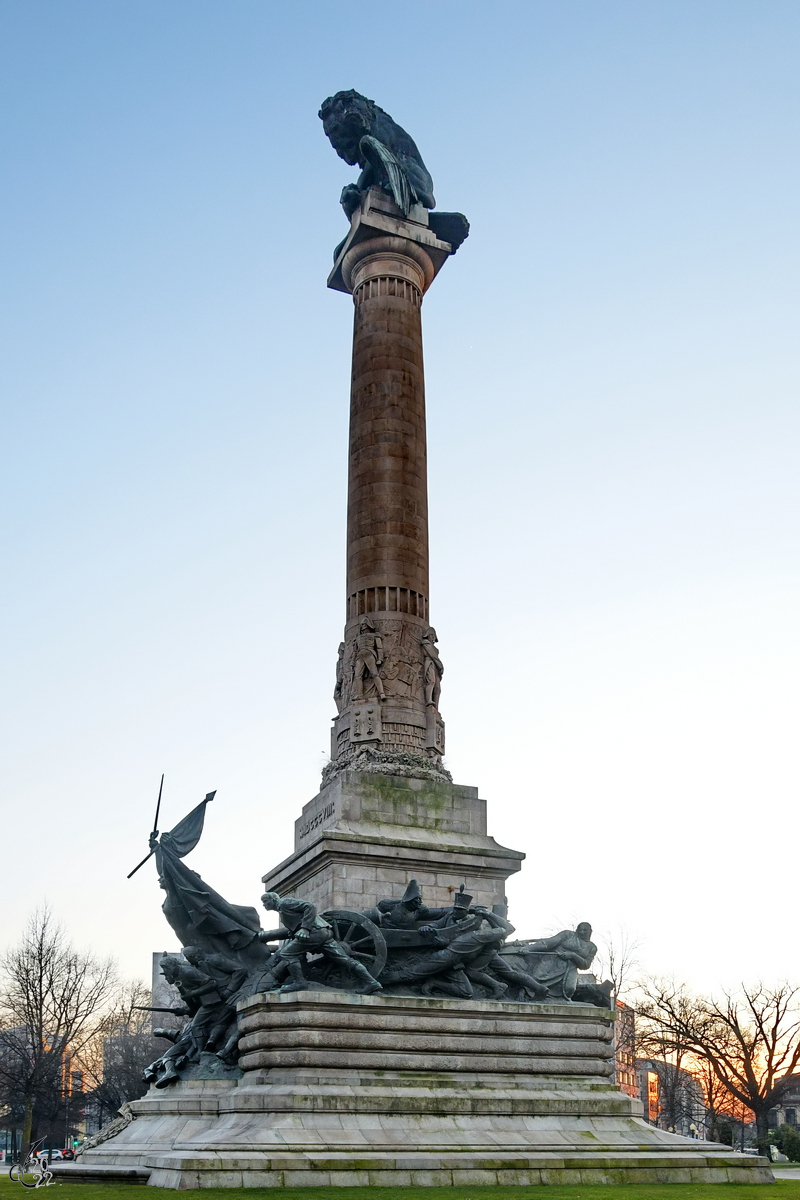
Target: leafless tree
(52, 1000)
(115, 1058)
(617, 959)
(721, 1107)
(750, 1040)
(668, 1056)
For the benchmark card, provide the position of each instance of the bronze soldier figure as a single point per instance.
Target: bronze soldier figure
(302, 931)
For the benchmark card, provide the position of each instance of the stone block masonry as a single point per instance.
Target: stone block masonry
(365, 835)
(342, 1090)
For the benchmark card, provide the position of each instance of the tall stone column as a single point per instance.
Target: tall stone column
(387, 810)
(389, 670)
(387, 513)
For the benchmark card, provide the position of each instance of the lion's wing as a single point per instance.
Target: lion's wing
(402, 189)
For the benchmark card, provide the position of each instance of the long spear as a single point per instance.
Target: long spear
(176, 1012)
(155, 829)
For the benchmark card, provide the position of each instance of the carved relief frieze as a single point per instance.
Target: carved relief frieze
(339, 694)
(382, 659)
(403, 670)
(388, 660)
(435, 731)
(432, 667)
(365, 723)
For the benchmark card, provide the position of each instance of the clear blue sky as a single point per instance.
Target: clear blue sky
(612, 368)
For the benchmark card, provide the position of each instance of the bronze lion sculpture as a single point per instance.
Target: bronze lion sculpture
(363, 134)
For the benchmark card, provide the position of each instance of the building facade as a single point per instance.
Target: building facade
(625, 1050)
(672, 1097)
(788, 1111)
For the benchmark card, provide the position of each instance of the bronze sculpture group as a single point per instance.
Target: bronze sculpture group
(399, 947)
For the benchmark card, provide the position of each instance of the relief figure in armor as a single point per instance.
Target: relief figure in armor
(402, 671)
(369, 658)
(433, 667)
(338, 691)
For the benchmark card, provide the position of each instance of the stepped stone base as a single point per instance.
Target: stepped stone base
(344, 1090)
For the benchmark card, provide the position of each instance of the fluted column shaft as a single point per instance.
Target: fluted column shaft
(387, 513)
(389, 670)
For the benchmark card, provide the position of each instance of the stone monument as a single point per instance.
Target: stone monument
(386, 1032)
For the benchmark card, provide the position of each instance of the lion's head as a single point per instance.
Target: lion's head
(346, 117)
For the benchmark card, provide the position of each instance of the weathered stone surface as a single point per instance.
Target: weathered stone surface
(394, 1033)
(388, 659)
(450, 1120)
(365, 835)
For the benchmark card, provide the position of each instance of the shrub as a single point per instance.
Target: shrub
(787, 1139)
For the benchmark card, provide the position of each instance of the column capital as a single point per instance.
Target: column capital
(382, 241)
(387, 256)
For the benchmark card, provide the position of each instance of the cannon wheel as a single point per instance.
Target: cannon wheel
(361, 938)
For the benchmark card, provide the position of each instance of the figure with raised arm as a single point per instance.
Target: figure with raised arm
(303, 931)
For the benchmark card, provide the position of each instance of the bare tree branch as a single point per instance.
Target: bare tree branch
(749, 1042)
(52, 1001)
(618, 959)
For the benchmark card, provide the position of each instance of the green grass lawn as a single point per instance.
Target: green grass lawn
(782, 1189)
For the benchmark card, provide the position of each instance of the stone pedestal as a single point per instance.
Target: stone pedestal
(365, 835)
(346, 1090)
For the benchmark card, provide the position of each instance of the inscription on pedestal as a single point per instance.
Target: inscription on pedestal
(307, 825)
